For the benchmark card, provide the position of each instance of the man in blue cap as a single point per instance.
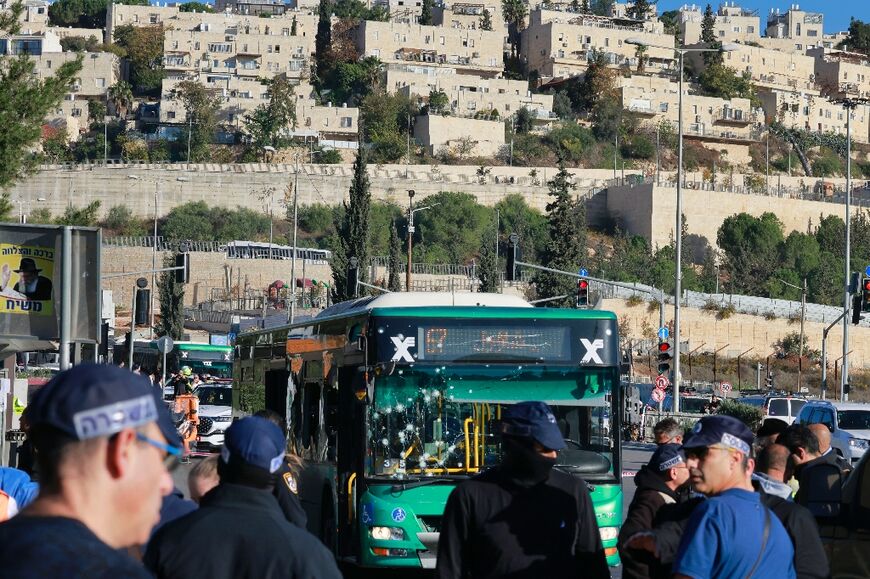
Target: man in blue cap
(657, 484)
(522, 518)
(239, 524)
(732, 534)
(103, 444)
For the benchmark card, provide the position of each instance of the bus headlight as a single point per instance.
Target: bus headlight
(859, 443)
(608, 533)
(222, 419)
(388, 533)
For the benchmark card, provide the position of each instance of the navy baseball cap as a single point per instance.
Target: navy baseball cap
(667, 456)
(725, 430)
(533, 420)
(92, 400)
(256, 442)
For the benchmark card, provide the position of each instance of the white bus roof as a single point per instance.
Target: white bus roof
(424, 299)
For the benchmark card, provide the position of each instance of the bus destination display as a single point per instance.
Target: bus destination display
(442, 343)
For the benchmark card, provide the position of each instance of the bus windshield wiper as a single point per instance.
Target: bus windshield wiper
(403, 486)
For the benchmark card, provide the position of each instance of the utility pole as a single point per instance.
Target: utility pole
(154, 260)
(189, 131)
(295, 233)
(825, 356)
(410, 236)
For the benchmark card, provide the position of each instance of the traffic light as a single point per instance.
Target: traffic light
(769, 380)
(665, 356)
(856, 309)
(143, 306)
(865, 295)
(582, 293)
(846, 388)
(511, 273)
(182, 260)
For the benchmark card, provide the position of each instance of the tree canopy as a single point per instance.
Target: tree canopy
(858, 39)
(84, 13)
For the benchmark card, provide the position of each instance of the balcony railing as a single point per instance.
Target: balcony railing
(734, 117)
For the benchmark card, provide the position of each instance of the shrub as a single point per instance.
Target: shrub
(725, 312)
(639, 147)
(769, 316)
(634, 300)
(749, 415)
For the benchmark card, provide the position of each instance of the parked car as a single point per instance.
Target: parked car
(849, 423)
(215, 414)
(776, 407)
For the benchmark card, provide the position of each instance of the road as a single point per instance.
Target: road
(634, 455)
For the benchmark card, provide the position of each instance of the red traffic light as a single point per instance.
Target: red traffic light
(867, 285)
(583, 284)
(664, 346)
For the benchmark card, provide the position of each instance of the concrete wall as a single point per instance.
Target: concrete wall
(244, 185)
(650, 211)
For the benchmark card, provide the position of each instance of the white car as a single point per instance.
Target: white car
(215, 414)
(849, 423)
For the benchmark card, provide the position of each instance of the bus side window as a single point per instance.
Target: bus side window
(311, 418)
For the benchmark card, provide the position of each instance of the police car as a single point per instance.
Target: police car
(215, 414)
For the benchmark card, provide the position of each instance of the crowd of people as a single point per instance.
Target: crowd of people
(717, 502)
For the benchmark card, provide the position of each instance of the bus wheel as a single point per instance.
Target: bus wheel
(327, 520)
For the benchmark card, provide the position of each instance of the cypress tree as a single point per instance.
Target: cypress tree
(353, 228)
(708, 36)
(426, 13)
(171, 298)
(323, 40)
(486, 20)
(488, 271)
(566, 250)
(394, 281)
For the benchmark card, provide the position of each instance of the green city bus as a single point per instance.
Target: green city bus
(393, 400)
(202, 358)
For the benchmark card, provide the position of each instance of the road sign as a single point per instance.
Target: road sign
(663, 333)
(867, 270)
(662, 382)
(585, 272)
(658, 395)
(725, 387)
(165, 344)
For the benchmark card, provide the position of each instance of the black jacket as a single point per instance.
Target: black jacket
(651, 495)
(801, 470)
(287, 493)
(238, 532)
(810, 561)
(495, 527)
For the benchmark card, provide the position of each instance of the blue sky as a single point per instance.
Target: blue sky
(837, 12)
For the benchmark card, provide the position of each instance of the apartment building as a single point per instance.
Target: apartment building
(470, 95)
(477, 52)
(329, 126)
(733, 23)
(561, 44)
(468, 14)
(266, 8)
(459, 136)
(842, 73)
(768, 67)
(402, 11)
(796, 24)
(234, 24)
(810, 110)
(717, 120)
(32, 43)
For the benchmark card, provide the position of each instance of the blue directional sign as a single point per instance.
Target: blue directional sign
(867, 270)
(663, 333)
(585, 272)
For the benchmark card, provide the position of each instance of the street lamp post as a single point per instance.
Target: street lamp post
(678, 232)
(411, 212)
(803, 290)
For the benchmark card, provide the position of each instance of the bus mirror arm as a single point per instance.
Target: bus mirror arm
(364, 384)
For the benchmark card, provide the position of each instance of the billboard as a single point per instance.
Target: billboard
(31, 282)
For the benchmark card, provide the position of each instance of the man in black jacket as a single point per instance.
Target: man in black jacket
(806, 455)
(657, 484)
(522, 518)
(239, 525)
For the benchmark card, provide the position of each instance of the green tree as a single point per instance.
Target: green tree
(170, 296)
(562, 105)
(384, 119)
(858, 39)
(451, 231)
(144, 47)
(120, 95)
(6, 207)
(516, 216)
(524, 121)
(722, 81)
(294, 27)
(269, 122)
(708, 37)
(25, 100)
(196, 7)
(566, 250)
(486, 20)
(200, 106)
(120, 219)
(83, 13)
(425, 13)
(639, 9)
(598, 84)
(602, 7)
(96, 114)
(394, 282)
(79, 44)
(750, 245)
(323, 40)
(488, 272)
(353, 229)
(439, 102)
(514, 12)
(86, 216)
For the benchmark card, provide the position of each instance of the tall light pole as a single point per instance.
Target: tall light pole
(295, 236)
(803, 290)
(678, 232)
(411, 229)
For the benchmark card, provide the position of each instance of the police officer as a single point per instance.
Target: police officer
(239, 530)
(102, 438)
(522, 518)
(286, 489)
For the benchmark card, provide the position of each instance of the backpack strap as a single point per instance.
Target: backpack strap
(764, 538)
